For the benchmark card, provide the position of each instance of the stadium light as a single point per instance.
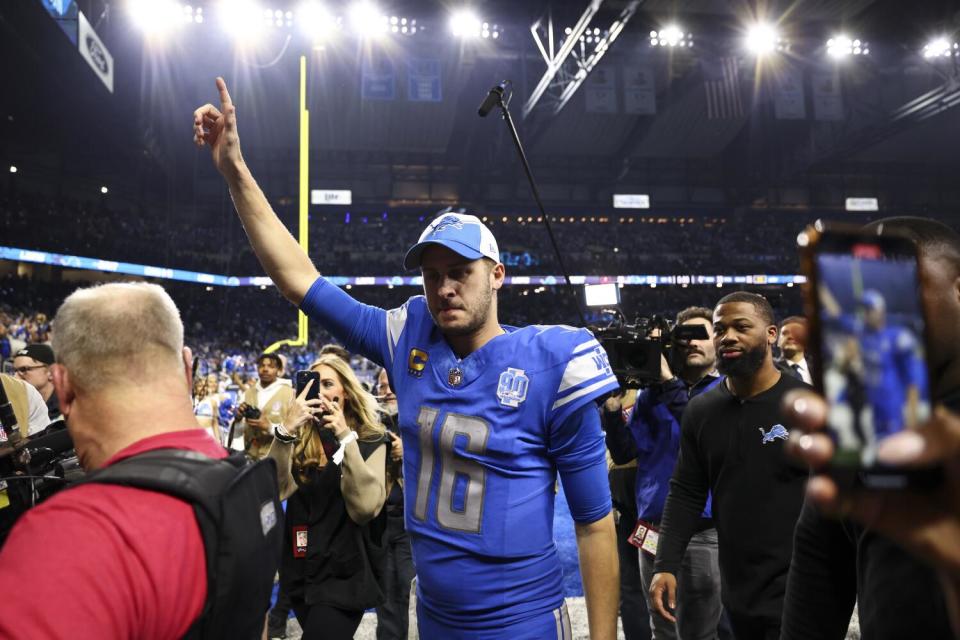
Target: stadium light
(366, 19)
(156, 17)
(940, 48)
(842, 46)
(763, 39)
(104, 190)
(671, 36)
(192, 14)
(242, 19)
(277, 18)
(316, 21)
(464, 23)
(13, 169)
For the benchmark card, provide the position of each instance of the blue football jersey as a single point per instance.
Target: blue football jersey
(483, 440)
(892, 365)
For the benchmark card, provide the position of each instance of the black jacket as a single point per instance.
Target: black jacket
(734, 448)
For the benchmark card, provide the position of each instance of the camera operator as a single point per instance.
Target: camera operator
(263, 405)
(864, 557)
(331, 455)
(32, 364)
(652, 436)
(757, 493)
(104, 560)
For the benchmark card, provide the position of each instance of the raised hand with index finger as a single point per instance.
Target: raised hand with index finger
(217, 128)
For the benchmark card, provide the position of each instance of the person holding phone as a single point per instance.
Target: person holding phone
(331, 457)
(895, 553)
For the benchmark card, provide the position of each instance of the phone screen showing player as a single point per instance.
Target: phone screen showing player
(871, 342)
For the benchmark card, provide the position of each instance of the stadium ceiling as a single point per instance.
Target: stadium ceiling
(574, 133)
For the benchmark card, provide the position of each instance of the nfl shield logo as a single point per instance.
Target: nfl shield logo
(512, 388)
(455, 376)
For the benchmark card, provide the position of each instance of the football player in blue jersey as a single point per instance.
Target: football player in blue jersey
(489, 414)
(885, 377)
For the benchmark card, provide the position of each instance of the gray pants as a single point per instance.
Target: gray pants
(698, 591)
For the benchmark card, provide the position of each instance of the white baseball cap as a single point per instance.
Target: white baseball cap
(461, 233)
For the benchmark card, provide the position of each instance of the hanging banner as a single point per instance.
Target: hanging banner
(827, 96)
(377, 78)
(95, 52)
(639, 90)
(423, 80)
(65, 13)
(600, 91)
(789, 99)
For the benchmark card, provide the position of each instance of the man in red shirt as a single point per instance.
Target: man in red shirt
(102, 560)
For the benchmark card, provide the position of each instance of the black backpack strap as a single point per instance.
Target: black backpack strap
(188, 475)
(201, 481)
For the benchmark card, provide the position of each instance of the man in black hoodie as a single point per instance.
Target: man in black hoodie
(838, 562)
(731, 444)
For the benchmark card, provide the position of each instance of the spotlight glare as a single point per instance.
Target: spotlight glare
(761, 39)
(367, 20)
(464, 23)
(13, 169)
(937, 48)
(104, 190)
(672, 35)
(156, 17)
(243, 19)
(315, 21)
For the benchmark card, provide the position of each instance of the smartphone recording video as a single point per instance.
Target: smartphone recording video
(302, 378)
(869, 329)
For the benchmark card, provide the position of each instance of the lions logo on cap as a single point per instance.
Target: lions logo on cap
(448, 222)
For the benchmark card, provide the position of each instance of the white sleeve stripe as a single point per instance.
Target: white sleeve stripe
(579, 394)
(396, 319)
(578, 371)
(589, 344)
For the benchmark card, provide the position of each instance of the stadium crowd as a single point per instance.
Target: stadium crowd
(372, 244)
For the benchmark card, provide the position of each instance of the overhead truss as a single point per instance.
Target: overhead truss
(569, 66)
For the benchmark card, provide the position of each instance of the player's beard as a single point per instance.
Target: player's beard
(746, 365)
(476, 316)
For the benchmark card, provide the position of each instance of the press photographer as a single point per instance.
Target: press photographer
(134, 550)
(652, 436)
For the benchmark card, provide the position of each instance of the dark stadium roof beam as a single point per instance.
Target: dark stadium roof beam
(555, 61)
(587, 64)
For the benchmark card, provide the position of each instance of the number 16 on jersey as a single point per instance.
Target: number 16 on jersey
(463, 512)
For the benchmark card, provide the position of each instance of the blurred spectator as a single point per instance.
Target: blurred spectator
(28, 406)
(392, 615)
(32, 365)
(792, 342)
(331, 455)
(263, 405)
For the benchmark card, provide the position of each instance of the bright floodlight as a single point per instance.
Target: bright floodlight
(464, 23)
(937, 48)
(671, 36)
(242, 19)
(315, 21)
(761, 39)
(841, 46)
(103, 189)
(155, 17)
(13, 169)
(367, 20)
